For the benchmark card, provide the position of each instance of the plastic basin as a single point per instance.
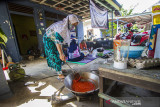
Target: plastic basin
(134, 52)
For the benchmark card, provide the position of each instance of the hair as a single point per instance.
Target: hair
(82, 41)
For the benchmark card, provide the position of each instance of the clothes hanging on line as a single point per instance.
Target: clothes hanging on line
(99, 18)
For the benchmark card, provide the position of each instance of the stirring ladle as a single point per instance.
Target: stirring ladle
(77, 76)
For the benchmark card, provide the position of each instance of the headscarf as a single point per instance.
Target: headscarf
(73, 46)
(62, 27)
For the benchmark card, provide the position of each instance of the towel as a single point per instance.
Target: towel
(99, 18)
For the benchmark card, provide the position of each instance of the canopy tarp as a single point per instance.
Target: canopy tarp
(141, 19)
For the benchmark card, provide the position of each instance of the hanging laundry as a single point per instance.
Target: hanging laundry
(99, 18)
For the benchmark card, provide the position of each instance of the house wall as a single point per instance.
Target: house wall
(7, 27)
(12, 47)
(40, 23)
(80, 32)
(49, 22)
(87, 26)
(23, 26)
(5, 91)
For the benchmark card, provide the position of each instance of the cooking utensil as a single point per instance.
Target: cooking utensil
(77, 76)
(86, 76)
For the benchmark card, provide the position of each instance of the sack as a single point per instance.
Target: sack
(16, 72)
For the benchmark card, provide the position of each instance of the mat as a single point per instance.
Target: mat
(84, 61)
(89, 58)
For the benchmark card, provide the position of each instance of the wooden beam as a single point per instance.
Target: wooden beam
(139, 82)
(111, 87)
(113, 4)
(58, 2)
(99, 2)
(42, 1)
(130, 75)
(72, 4)
(20, 13)
(113, 100)
(86, 17)
(101, 89)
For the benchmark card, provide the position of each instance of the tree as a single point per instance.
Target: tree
(124, 12)
(127, 12)
(109, 31)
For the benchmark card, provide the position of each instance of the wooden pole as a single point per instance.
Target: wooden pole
(3, 60)
(112, 25)
(113, 100)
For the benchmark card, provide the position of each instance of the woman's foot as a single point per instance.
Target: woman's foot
(61, 77)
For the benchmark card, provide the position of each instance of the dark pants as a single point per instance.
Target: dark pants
(77, 59)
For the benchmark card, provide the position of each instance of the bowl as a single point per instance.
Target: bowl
(134, 51)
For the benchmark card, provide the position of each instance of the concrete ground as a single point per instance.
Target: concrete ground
(37, 93)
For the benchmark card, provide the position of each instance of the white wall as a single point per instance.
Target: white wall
(80, 32)
(87, 25)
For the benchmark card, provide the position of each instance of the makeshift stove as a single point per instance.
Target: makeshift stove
(58, 98)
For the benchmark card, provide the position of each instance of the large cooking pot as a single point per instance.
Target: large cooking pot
(87, 76)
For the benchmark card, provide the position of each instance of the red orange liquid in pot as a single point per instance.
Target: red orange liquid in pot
(82, 86)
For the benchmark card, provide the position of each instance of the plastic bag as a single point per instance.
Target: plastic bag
(94, 53)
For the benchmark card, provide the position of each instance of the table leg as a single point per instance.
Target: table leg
(101, 91)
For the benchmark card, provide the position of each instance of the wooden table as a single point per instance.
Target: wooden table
(147, 79)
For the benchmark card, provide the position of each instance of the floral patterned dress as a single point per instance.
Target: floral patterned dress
(51, 52)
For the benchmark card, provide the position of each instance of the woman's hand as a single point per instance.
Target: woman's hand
(62, 57)
(61, 54)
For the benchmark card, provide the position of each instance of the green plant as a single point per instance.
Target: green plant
(127, 12)
(109, 31)
(3, 37)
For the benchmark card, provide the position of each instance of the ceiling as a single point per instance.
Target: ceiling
(77, 7)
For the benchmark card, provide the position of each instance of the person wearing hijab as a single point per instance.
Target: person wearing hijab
(74, 52)
(57, 34)
(83, 45)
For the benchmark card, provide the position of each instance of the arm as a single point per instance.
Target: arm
(61, 55)
(58, 41)
(81, 46)
(85, 46)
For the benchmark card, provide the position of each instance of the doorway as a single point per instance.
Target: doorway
(26, 35)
